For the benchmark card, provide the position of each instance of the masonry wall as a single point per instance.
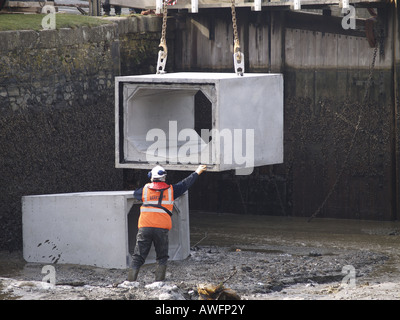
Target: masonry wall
(57, 110)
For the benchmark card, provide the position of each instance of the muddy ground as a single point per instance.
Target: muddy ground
(258, 257)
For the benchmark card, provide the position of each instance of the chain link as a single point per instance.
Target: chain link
(162, 54)
(238, 57)
(163, 41)
(369, 81)
(235, 32)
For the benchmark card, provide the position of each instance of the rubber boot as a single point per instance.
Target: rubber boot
(107, 9)
(133, 274)
(117, 10)
(160, 272)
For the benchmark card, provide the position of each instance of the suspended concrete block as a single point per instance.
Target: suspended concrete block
(180, 120)
(93, 228)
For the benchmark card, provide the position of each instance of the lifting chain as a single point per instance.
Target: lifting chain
(238, 57)
(162, 54)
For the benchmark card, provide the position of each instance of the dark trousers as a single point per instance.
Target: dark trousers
(144, 238)
(107, 8)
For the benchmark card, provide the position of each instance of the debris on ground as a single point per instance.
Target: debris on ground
(274, 259)
(216, 292)
(252, 274)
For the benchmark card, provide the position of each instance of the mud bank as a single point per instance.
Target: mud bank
(253, 272)
(258, 257)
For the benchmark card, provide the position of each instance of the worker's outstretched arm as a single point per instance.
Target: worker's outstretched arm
(181, 187)
(138, 193)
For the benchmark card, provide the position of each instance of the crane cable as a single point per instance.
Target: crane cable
(238, 57)
(162, 54)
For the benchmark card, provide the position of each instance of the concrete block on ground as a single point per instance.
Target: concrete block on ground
(93, 228)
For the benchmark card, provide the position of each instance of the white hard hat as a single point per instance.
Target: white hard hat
(157, 172)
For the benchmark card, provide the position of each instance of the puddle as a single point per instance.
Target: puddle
(295, 236)
(242, 230)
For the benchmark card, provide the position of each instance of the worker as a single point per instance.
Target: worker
(155, 218)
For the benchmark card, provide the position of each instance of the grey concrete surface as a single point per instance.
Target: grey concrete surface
(246, 122)
(92, 228)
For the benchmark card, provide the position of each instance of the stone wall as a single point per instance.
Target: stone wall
(56, 117)
(139, 39)
(57, 109)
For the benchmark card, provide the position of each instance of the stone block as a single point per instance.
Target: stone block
(93, 228)
(166, 118)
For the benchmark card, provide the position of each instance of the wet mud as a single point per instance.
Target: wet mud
(258, 257)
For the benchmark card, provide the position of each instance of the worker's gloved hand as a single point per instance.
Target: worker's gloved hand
(200, 169)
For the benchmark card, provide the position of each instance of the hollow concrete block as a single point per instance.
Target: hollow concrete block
(165, 119)
(93, 228)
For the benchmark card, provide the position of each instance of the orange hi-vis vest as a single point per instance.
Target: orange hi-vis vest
(152, 213)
